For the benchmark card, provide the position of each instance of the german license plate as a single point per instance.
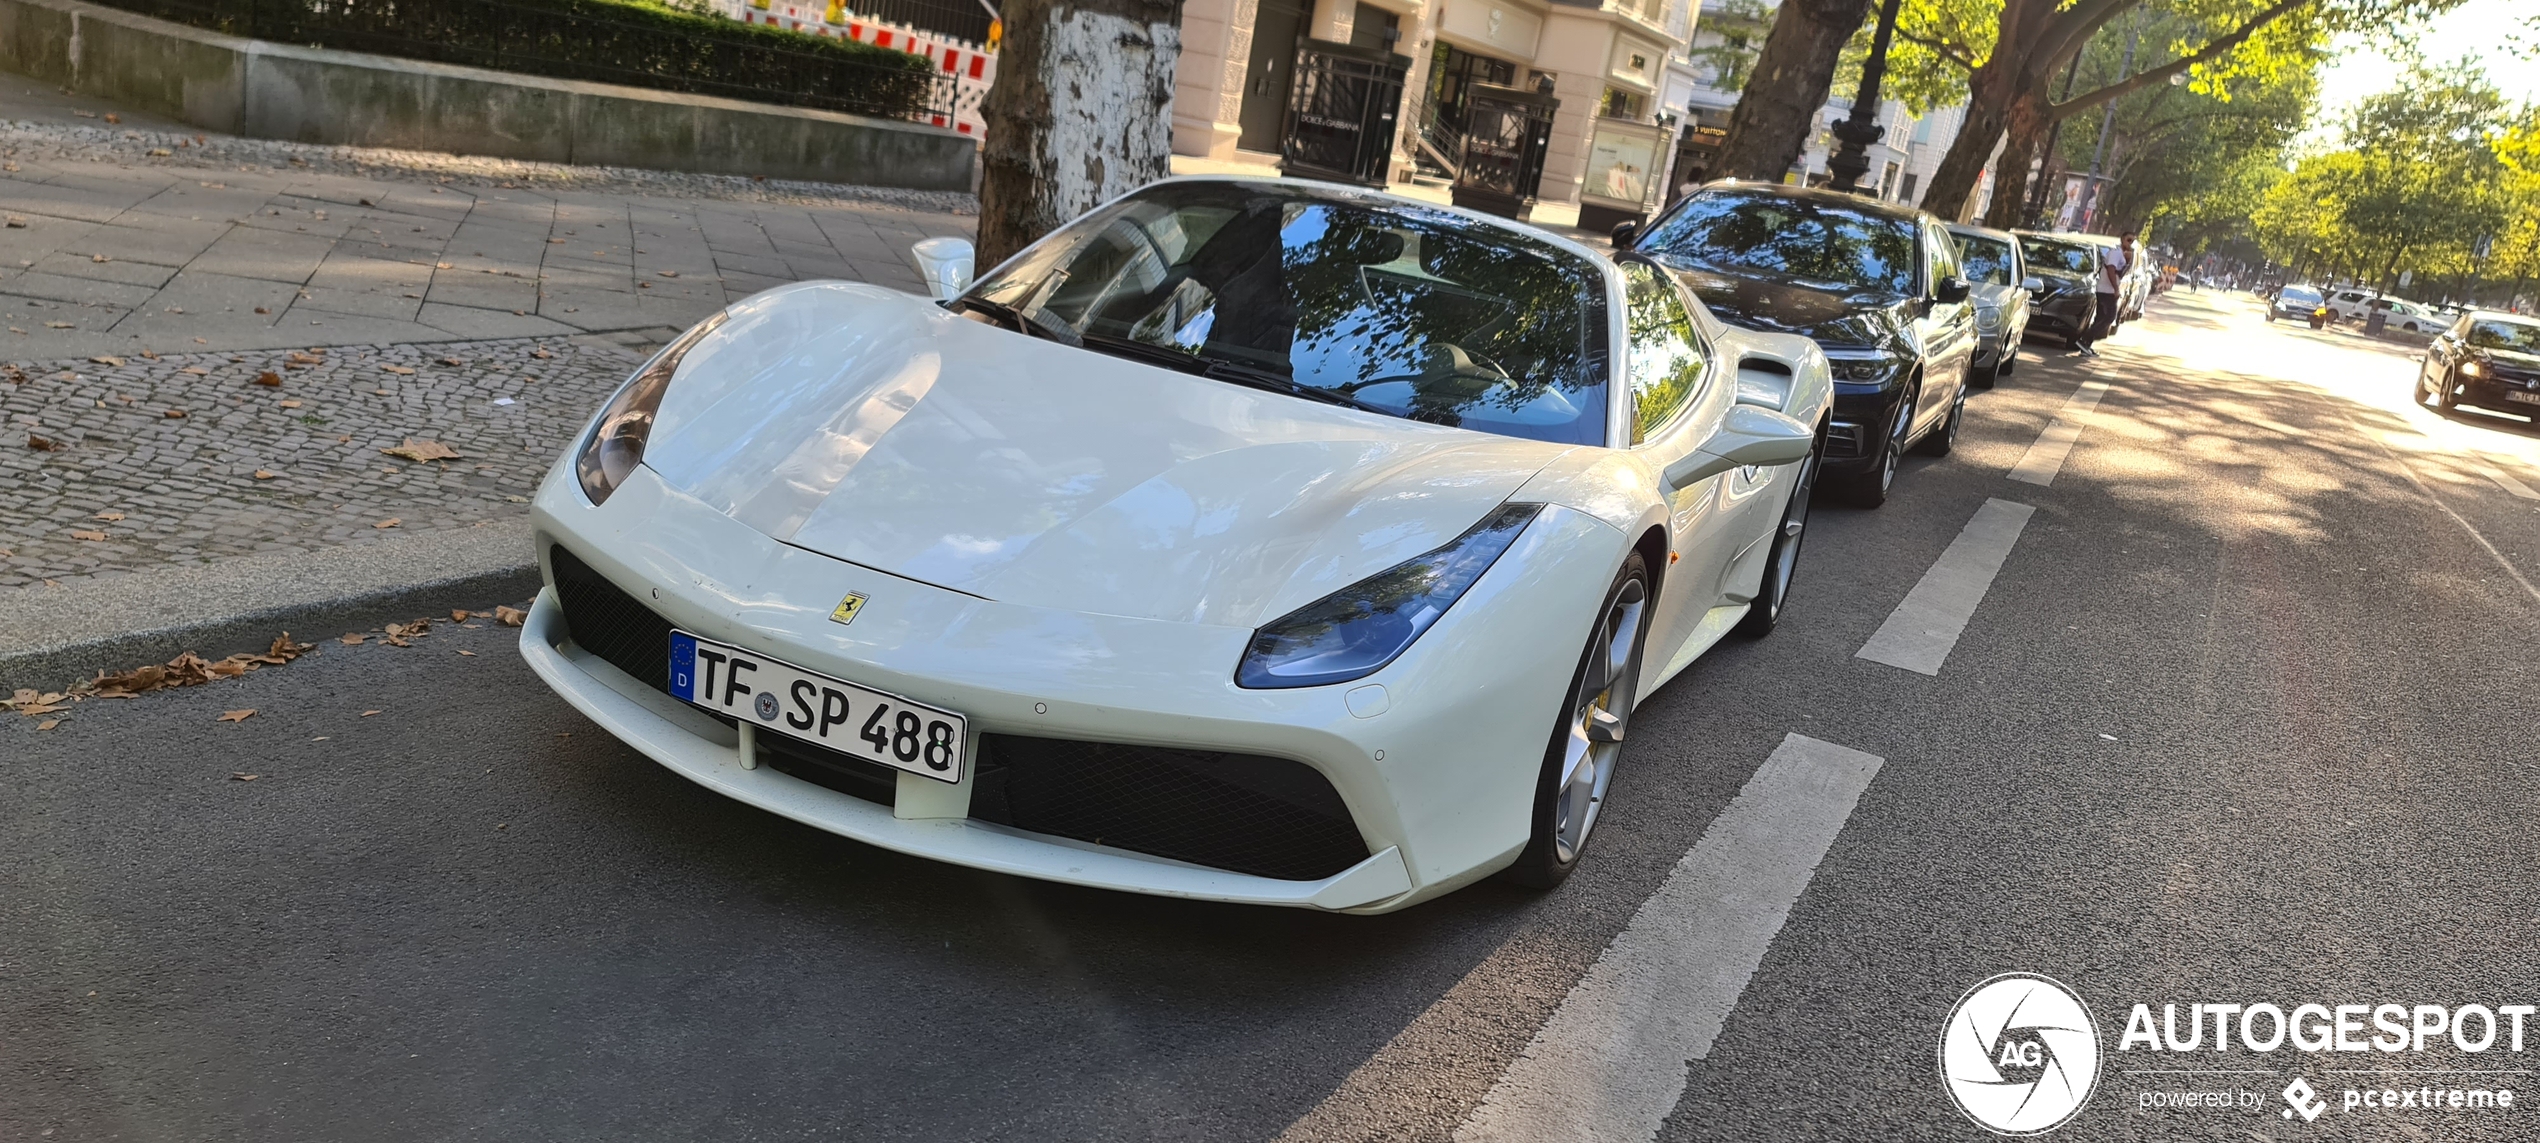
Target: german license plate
(2525, 398)
(781, 698)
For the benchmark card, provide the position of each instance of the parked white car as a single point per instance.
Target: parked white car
(1259, 541)
(2355, 305)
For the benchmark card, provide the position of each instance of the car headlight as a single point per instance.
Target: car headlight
(616, 443)
(1354, 632)
(2471, 369)
(1867, 369)
(1988, 318)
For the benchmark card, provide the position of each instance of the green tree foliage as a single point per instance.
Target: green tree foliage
(2421, 176)
(2201, 152)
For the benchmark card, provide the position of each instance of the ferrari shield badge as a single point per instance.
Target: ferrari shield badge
(847, 608)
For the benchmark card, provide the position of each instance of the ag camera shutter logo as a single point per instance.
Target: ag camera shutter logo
(2020, 1054)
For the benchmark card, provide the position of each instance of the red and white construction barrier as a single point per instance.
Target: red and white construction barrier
(971, 67)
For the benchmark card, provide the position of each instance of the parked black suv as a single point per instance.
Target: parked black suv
(1875, 284)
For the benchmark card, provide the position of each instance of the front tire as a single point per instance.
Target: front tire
(2443, 395)
(1587, 744)
(1783, 565)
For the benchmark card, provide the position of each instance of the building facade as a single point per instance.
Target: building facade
(1602, 63)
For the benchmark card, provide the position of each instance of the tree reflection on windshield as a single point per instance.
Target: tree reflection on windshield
(1413, 311)
(1825, 245)
(1986, 262)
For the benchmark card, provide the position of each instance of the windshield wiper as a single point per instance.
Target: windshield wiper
(1249, 376)
(1258, 378)
(1023, 323)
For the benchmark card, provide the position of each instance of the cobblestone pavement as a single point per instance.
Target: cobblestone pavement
(200, 261)
(127, 484)
(120, 239)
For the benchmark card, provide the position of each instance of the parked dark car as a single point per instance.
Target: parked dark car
(2487, 360)
(2064, 304)
(2298, 302)
(1875, 284)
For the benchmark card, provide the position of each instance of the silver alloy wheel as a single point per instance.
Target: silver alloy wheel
(1600, 710)
(1896, 444)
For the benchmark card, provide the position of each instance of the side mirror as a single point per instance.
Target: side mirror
(1623, 233)
(1950, 291)
(2032, 283)
(1747, 436)
(946, 265)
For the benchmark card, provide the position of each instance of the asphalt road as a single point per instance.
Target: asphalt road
(2242, 717)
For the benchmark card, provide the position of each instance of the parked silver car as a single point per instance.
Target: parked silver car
(1999, 283)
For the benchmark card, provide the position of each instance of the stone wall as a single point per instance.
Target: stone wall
(314, 95)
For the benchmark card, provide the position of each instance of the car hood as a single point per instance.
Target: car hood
(2062, 281)
(1829, 317)
(874, 427)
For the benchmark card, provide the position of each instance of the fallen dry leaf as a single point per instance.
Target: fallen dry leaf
(99, 258)
(43, 444)
(299, 358)
(400, 370)
(266, 474)
(190, 669)
(175, 414)
(30, 701)
(540, 353)
(111, 117)
(196, 370)
(109, 517)
(15, 222)
(269, 379)
(243, 776)
(105, 359)
(459, 614)
(290, 404)
(453, 362)
(368, 713)
(416, 450)
(263, 310)
(352, 638)
(160, 152)
(469, 654)
(91, 537)
(57, 325)
(390, 522)
(48, 724)
(510, 616)
(235, 715)
(668, 273)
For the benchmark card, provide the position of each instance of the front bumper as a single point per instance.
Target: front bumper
(1438, 777)
(2495, 394)
(1861, 419)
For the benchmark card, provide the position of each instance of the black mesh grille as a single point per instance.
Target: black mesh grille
(822, 766)
(609, 623)
(1270, 817)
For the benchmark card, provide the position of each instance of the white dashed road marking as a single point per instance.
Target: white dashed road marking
(1612, 1061)
(2045, 457)
(1920, 632)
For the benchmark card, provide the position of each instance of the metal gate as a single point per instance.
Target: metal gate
(1505, 134)
(1341, 112)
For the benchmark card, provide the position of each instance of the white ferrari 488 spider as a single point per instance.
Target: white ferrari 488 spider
(1256, 541)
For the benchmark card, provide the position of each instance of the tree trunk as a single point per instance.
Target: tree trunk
(1082, 111)
(2027, 125)
(1787, 87)
(1990, 92)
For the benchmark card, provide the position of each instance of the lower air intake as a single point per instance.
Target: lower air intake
(1269, 817)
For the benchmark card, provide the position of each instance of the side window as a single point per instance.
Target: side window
(1666, 355)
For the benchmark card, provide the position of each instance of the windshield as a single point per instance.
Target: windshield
(2511, 336)
(2059, 257)
(1410, 311)
(1986, 261)
(2298, 294)
(1825, 246)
